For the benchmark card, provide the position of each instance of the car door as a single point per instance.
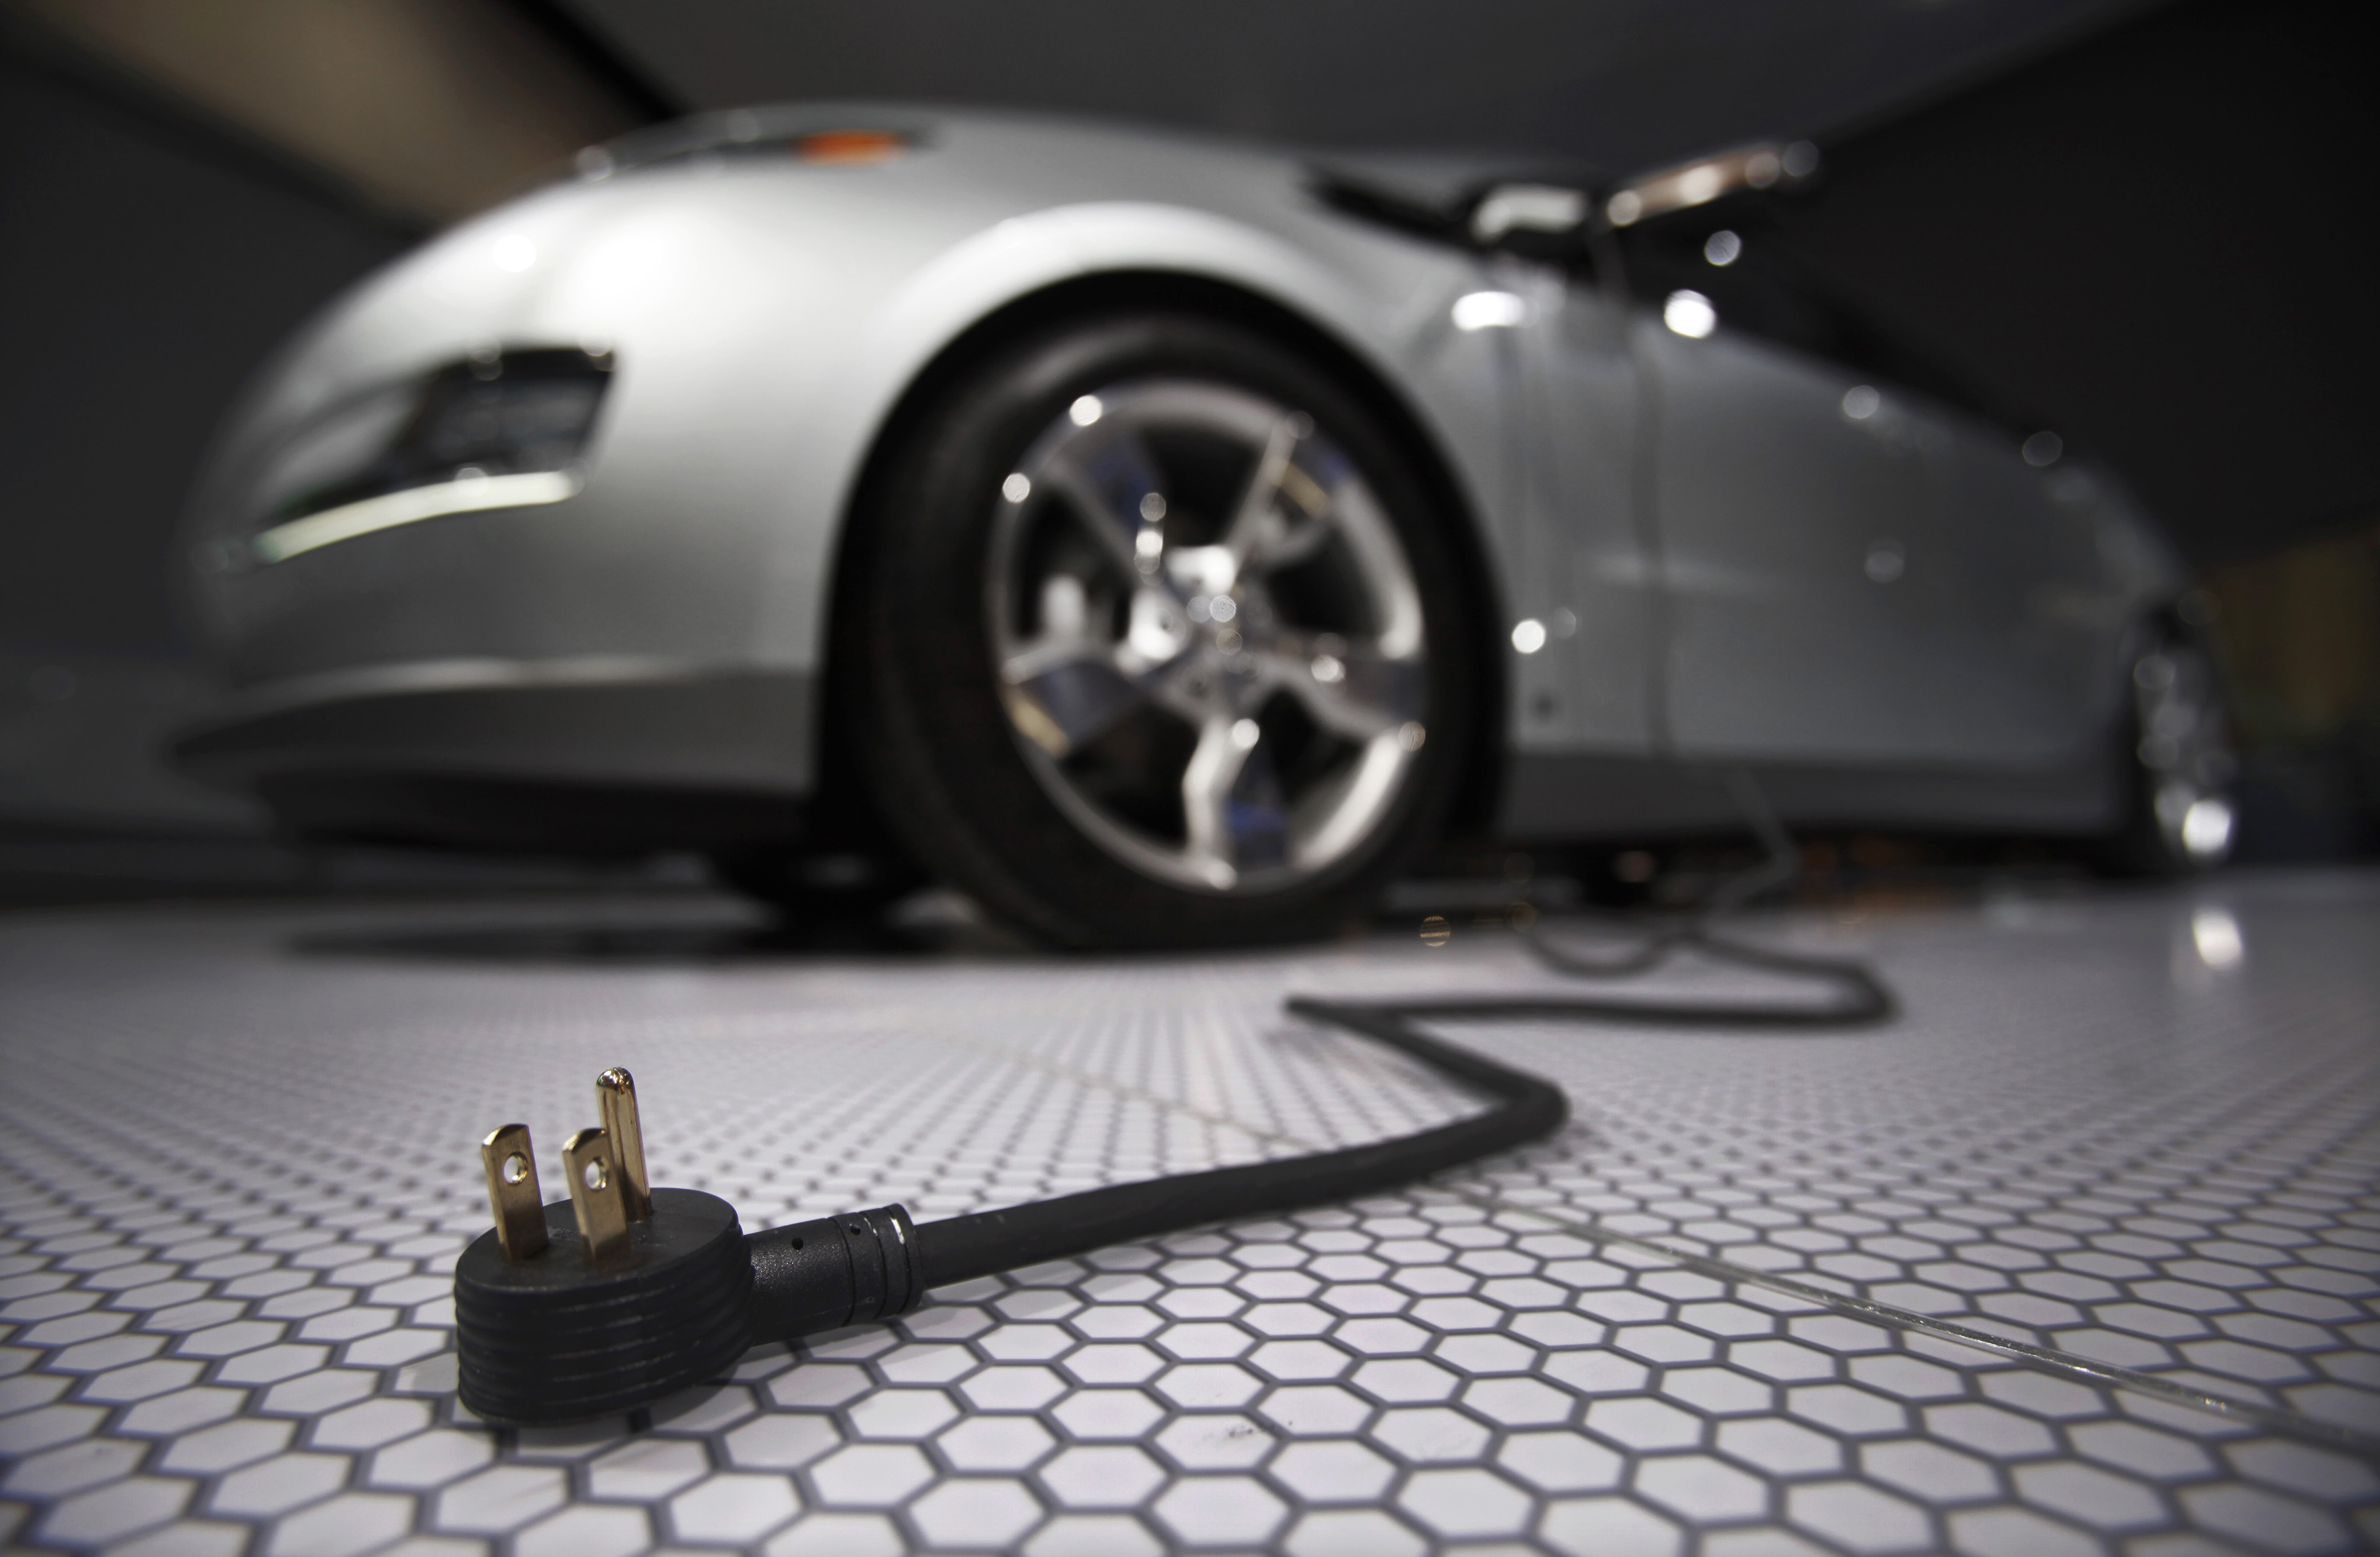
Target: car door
(1819, 606)
(1588, 665)
(2032, 592)
(1791, 502)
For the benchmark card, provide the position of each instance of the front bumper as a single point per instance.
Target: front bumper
(584, 756)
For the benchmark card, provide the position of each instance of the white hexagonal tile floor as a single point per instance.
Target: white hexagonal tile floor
(1934, 1286)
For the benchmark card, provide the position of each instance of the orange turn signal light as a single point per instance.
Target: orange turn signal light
(851, 146)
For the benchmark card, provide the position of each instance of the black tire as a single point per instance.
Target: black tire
(2175, 746)
(948, 767)
(845, 869)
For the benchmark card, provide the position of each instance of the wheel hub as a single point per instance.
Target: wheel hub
(1208, 635)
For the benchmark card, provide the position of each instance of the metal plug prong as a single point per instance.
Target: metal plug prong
(615, 1095)
(593, 1169)
(513, 1199)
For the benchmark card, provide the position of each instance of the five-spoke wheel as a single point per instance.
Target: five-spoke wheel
(1163, 641)
(1207, 632)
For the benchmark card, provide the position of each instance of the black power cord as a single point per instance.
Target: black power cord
(608, 1300)
(1862, 997)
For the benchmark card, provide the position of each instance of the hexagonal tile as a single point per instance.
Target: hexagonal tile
(1220, 1509)
(1096, 1476)
(870, 1475)
(1332, 1470)
(734, 1508)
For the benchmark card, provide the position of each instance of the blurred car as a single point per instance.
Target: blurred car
(1162, 539)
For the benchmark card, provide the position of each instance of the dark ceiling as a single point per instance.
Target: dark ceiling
(2153, 224)
(1623, 84)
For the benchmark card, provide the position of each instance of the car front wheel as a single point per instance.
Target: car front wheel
(1163, 643)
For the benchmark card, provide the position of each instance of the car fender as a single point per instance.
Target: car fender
(1018, 257)
(768, 320)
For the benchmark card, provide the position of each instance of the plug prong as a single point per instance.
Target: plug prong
(615, 1094)
(513, 1199)
(592, 1166)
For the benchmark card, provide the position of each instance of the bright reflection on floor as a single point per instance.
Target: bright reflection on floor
(2216, 935)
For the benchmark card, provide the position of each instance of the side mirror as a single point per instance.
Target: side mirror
(1764, 165)
(1534, 208)
(1537, 221)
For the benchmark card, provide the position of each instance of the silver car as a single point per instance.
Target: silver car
(1162, 539)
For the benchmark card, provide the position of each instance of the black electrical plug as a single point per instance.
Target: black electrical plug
(623, 1292)
(631, 1291)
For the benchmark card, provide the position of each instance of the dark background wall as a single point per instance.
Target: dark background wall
(148, 262)
(2160, 238)
(147, 269)
(181, 183)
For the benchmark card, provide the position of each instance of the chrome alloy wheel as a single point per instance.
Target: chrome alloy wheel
(1207, 634)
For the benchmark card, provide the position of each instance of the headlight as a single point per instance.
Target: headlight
(506, 431)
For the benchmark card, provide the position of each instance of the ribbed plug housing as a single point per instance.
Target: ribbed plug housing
(550, 1339)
